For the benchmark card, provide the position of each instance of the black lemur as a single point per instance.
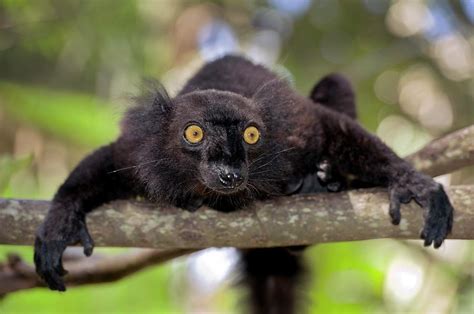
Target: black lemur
(236, 133)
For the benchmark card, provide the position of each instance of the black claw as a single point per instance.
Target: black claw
(438, 243)
(396, 220)
(396, 216)
(422, 235)
(427, 242)
(86, 241)
(88, 251)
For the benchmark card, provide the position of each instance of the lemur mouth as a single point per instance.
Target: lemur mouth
(218, 188)
(228, 190)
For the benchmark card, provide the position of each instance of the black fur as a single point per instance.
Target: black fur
(306, 146)
(274, 277)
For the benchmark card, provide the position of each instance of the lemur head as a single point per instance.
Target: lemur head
(218, 133)
(211, 143)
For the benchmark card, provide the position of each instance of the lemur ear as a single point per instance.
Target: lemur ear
(335, 92)
(154, 94)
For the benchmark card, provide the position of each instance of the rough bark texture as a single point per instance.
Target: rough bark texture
(296, 220)
(447, 154)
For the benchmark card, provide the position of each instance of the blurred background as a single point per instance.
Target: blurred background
(67, 69)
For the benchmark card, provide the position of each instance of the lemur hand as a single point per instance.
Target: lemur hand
(326, 179)
(60, 229)
(329, 177)
(428, 194)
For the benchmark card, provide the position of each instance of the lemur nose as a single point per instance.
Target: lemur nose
(231, 179)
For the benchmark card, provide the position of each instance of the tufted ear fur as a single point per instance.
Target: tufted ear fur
(154, 94)
(335, 92)
(149, 112)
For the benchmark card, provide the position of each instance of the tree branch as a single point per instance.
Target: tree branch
(348, 216)
(295, 220)
(17, 275)
(447, 154)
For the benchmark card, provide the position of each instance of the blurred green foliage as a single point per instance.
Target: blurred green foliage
(79, 36)
(9, 166)
(80, 118)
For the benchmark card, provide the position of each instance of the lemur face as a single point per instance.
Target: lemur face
(221, 135)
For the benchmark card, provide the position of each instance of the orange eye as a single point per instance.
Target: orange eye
(193, 134)
(251, 135)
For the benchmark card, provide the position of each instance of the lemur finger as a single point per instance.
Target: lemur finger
(86, 241)
(58, 265)
(439, 219)
(438, 242)
(54, 281)
(445, 207)
(394, 209)
(43, 257)
(427, 241)
(47, 259)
